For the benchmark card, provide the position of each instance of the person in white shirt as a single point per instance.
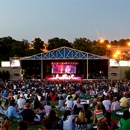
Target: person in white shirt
(69, 103)
(107, 103)
(67, 120)
(21, 102)
(15, 96)
(14, 86)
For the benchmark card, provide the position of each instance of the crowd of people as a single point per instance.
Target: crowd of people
(30, 101)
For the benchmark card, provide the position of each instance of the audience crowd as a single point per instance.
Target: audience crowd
(30, 102)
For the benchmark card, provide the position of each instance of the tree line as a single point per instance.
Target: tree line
(10, 47)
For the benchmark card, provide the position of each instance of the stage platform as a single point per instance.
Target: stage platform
(63, 77)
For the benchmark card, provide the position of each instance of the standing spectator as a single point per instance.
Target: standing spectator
(107, 103)
(115, 90)
(95, 100)
(115, 105)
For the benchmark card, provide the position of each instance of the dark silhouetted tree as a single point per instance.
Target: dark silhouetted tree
(56, 43)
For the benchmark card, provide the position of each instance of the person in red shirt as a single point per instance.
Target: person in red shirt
(110, 122)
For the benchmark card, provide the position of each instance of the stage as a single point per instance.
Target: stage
(63, 77)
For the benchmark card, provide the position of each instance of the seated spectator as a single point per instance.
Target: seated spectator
(22, 125)
(47, 124)
(43, 101)
(69, 104)
(81, 95)
(36, 103)
(6, 104)
(5, 94)
(21, 102)
(6, 124)
(101, 125)
(27, 101)
(81, 121)
(47, 108)
(125, 121)
(78, 107)
(75, 101)
(40, 111)
(61, 103)
(53, 97)
(110, 122)
(53, 116)
(98, 113)
(124, 102)
(28, 114)
(2, 110)
(88, 115)
(11, 111)
(67, 120)
(115, 105)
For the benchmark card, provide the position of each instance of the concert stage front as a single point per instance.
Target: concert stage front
(63, 77)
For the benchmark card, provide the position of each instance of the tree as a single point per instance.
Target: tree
(5, 48)
(56, 43)
(38, 45)
(114, 43)
(122, 42)
(18, 49)
(127, 73)
(83, 44)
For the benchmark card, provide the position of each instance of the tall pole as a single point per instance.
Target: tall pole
(41, 69)
(87, 66)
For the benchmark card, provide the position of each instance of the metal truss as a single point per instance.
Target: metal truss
(63, 53)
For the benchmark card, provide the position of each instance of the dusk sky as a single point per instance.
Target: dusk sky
(67, 19)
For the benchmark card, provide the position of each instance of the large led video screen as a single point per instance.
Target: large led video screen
(63, 68)
(5, 64)
(15, 63)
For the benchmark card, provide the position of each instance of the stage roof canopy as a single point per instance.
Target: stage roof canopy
(63, 53)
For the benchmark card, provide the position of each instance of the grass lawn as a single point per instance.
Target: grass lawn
(35, 127)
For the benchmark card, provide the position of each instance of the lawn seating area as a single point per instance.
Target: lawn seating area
(53, 104)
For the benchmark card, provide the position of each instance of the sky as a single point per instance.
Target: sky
(67, 19)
